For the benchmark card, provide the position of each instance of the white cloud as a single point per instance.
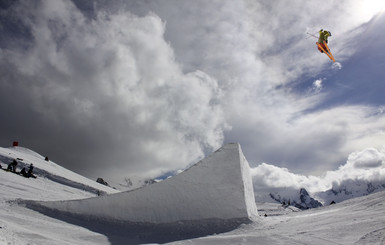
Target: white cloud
(273, 176)
(114, 78)
(337, 66)
(143, 82)
(366, 165)
(317, 86)
(381, 109)
(371, 158)
(254, 47)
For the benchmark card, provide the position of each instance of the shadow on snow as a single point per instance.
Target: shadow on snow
(125, 232)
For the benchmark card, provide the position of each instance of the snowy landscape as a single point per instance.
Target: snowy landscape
(62, 207)
(192, 122)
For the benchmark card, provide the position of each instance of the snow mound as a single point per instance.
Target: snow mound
(49, 170)
(216, 188)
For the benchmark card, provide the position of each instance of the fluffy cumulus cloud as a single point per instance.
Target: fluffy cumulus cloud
(256, 50)
(337, 66)
(367, 165)
(109, 90)
(142, 87)
(317, 86)
(273, 176)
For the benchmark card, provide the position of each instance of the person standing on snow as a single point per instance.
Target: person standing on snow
(29, 174)
(12, 166)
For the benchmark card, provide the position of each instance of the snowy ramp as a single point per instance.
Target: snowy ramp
(217, 188)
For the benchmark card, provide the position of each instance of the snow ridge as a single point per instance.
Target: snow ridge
(216, 188)
(50, 170)
(302, 201)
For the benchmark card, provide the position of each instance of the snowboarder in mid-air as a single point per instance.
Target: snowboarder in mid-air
(323, 38)
(322, 43)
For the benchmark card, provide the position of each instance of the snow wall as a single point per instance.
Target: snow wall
(217, 188)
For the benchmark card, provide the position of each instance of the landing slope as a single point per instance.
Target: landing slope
(50, 176)
(216, 188)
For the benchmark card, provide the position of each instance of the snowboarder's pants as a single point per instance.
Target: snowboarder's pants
(323, 46)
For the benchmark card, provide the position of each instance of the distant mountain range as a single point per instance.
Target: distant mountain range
(303, 200)
(349, 189)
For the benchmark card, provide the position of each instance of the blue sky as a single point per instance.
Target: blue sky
(143, 88)
(361, 81)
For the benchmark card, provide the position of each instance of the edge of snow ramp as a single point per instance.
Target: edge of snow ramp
(215, 193)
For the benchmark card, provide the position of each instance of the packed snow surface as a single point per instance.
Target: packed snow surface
(50, 176)
(218, 187)
(355, 221)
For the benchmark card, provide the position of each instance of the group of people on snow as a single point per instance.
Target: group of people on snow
(12, 168)
(29, 173)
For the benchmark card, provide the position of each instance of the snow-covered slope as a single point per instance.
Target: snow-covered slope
(49, 170)
(216, 188)
(23, 226)
(355, 221)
